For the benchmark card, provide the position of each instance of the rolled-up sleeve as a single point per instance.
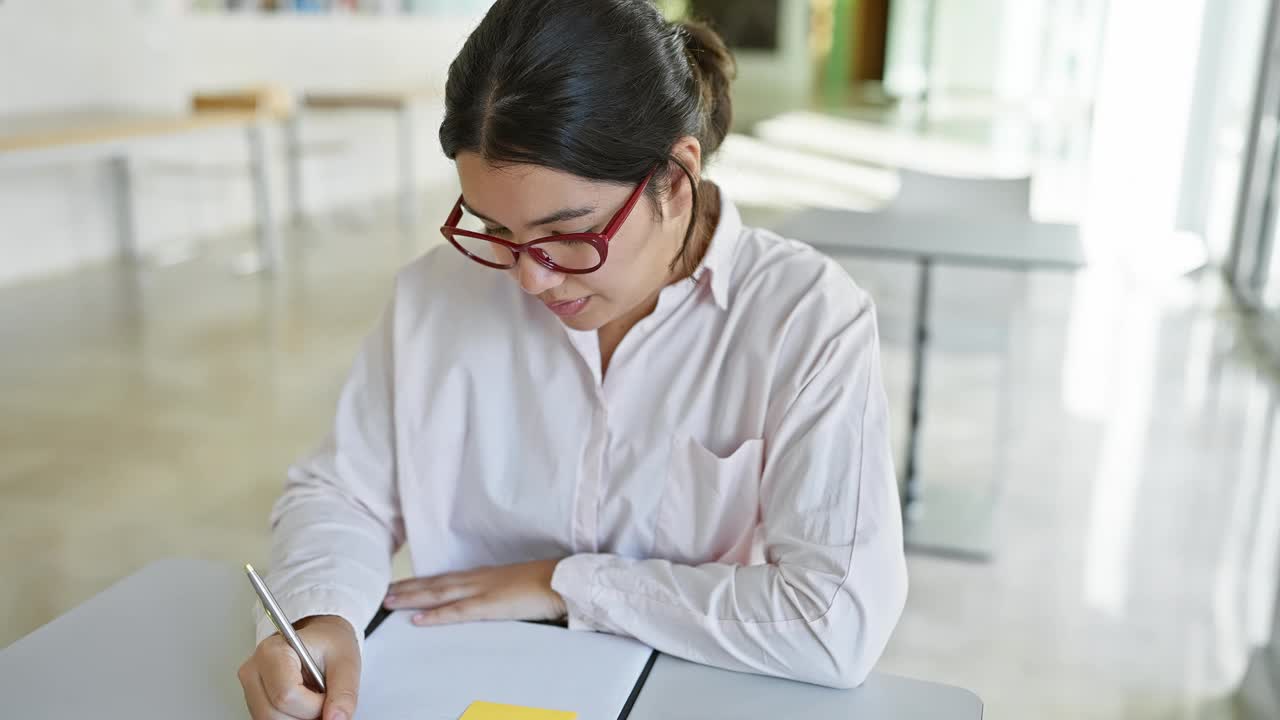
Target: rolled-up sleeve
(822, 606)
(338, 522)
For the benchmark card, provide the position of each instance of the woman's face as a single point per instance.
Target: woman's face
(512, 200)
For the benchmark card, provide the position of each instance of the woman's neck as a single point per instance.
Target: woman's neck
(611, 335)
(704, 230)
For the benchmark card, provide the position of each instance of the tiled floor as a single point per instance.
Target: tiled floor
(1125, 430)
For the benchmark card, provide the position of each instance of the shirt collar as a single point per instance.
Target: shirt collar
(718, 260)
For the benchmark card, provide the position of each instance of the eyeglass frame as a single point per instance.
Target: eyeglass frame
(600, 241)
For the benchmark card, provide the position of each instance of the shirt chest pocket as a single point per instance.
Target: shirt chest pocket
(710, 505)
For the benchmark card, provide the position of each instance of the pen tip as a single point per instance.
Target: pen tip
(248, 567)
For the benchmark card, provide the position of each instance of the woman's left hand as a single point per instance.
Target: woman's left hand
(504, 592)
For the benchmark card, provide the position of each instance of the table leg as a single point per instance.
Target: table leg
(952, 521)
(270, 251)
(408, 178)
(122, 199)
(293, 138)
(919, 348)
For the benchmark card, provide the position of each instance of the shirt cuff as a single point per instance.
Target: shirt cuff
(313, 602)
(573, 580)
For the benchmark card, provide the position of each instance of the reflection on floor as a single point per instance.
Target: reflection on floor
(1126, 432)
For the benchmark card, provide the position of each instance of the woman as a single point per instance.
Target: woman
(616, 405)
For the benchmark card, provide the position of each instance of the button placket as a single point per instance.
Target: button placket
(601, 468)
(585, 520)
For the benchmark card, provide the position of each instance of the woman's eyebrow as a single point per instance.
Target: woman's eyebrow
(467, 206)
(556, 217)
(564, 215)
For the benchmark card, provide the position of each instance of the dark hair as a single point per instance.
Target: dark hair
(601, 89)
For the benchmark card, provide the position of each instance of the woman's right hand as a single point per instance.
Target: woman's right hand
(273, 682)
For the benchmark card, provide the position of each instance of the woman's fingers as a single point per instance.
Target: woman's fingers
(422, 583)
(281, 673)
(272, 677)
(258, 701)
(429, 592)
(508, 592)
(469, 610)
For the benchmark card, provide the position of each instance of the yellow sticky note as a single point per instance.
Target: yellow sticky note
(494, 711)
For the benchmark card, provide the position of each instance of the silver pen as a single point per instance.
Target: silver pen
(310, 670)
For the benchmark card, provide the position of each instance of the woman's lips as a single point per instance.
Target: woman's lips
(568, 308)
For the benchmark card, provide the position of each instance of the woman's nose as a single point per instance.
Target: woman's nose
(534, 277)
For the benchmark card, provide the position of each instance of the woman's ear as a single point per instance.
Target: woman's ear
(688, 151)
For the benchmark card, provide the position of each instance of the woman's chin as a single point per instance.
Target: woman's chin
(585, 322)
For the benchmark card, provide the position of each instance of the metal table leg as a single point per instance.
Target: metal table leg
(293, 139)
(954, 523)
(270, 250)
(122, 198)
(408, 178)
(919, 347)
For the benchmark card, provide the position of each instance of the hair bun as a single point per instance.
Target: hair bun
(713, 69)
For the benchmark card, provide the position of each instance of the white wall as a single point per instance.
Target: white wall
(66, 55)
(967, 47)
(773, 82)
(950, 45)
(1011, 50)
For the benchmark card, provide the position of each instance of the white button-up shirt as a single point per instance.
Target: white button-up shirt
(725, 494)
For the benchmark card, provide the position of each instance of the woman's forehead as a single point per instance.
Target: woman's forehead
(522, 194)
(476, 170)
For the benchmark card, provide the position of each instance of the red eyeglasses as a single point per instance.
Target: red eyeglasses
(573, 253)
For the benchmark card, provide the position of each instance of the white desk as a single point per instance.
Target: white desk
(111, 133)
(991, 242)
(956, 525)
(398, 102)
(679, 690)
(166, 642)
